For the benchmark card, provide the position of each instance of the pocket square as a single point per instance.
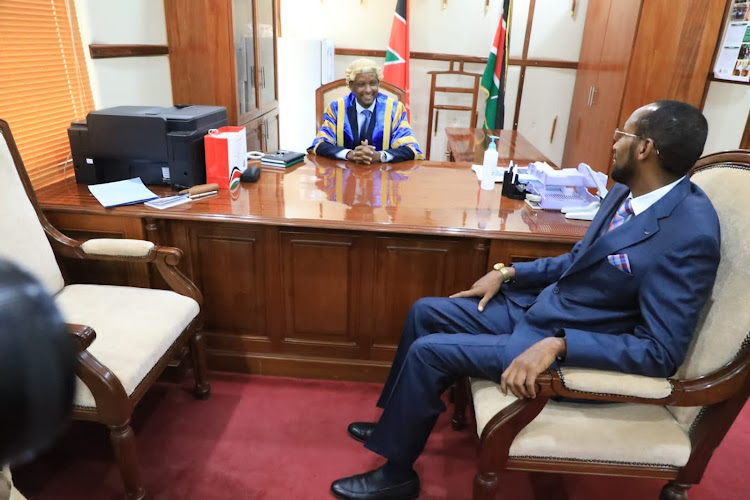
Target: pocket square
(620, 261)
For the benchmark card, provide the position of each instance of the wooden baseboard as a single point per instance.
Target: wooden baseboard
(297, 366)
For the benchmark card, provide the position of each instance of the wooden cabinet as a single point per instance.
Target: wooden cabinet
(635, 52)
(223, 53)
(263, 132)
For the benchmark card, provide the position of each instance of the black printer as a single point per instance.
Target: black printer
(159, 145)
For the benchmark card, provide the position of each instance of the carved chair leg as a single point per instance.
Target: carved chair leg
(198, 353)
(123, 443)
(485, 486)
(674, 491)
(460, 392)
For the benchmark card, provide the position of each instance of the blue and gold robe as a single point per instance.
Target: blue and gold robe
(389, 131)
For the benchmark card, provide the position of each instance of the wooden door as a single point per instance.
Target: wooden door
(602, 73)
(201, 54)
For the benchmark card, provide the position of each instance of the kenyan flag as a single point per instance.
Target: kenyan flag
(396, 68)
(493, 79)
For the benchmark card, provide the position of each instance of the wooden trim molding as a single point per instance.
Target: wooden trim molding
(431, 56)
(103, 51)
(712, 78)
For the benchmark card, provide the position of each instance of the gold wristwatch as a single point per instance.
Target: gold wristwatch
(504, 271)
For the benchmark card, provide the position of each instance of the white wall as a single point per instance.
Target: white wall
(726, 109)
(462, 28)
(134, 81)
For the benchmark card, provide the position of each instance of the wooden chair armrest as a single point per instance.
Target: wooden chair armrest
(113, 407)
(709, 389)
(164, 258)
(113, 247)
(82, 335)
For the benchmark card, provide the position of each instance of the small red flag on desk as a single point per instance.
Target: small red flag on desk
(396, 68)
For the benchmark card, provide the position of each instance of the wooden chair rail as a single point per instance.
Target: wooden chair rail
(433, 56)
(104, 51)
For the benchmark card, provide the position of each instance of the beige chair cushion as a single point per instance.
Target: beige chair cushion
(117, 247)
(23, 240)
(615, 432)
(7, 490)
(132, 330)
(622, 384)
(725, 321)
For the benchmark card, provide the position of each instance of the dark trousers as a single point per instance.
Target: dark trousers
(443, 339)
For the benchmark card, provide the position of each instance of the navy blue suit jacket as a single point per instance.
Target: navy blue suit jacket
(639, 322)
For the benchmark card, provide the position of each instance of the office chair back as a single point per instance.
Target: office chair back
(326, 94)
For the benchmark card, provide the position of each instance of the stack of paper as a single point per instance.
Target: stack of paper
(127, 192)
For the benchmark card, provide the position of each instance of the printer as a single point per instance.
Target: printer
(161, 145)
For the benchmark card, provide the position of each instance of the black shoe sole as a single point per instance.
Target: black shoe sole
(410, 497)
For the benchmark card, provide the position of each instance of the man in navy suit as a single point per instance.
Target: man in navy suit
(626, 298)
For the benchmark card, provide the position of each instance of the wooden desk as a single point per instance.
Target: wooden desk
(465, 144)
(311, 272)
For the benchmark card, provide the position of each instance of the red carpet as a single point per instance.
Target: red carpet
(276, 438)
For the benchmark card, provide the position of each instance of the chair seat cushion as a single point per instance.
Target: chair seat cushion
(610, 432)
(132, 330)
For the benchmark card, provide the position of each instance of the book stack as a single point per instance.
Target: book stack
(281, 158)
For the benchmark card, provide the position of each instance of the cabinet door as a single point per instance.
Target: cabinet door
(582, 125)
(266, 39)
(272, 131)
(244, 54)
(255, 134)
(602, 73)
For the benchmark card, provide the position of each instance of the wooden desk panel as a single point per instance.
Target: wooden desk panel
(465, 144)
(311, 271)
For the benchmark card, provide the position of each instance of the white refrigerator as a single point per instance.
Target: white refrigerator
(303, 66)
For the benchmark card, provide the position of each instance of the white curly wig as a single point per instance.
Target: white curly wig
(362, 66)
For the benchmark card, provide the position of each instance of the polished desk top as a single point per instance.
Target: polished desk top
(466, 144)
(419, 197)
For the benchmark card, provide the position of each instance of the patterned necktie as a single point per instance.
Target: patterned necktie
(365, 122)
(623, 214)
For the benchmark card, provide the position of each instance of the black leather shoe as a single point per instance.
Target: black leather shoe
(376, 485)
(361, 431)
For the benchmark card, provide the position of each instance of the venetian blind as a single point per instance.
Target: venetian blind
(44, 84)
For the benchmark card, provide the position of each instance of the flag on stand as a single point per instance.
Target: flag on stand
(396, 68)
(493, 79)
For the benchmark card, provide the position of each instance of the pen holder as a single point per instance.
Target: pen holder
(513, 191)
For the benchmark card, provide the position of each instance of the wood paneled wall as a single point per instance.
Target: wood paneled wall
(672, 53)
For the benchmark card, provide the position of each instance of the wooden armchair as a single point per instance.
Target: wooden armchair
(325, 94)
(656, 428)
(125, 336)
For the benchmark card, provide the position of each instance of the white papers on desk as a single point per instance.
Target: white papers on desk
(127, 192)
(169, 201)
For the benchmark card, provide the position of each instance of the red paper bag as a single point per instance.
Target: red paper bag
(226, 156)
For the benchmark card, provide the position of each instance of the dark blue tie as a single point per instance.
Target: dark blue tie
(365, 122)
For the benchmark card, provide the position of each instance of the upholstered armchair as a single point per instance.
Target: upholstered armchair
(652, 427)
(125, 336)
(329, 92)
(7, 490)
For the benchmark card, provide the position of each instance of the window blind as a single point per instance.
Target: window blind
(44, 84)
